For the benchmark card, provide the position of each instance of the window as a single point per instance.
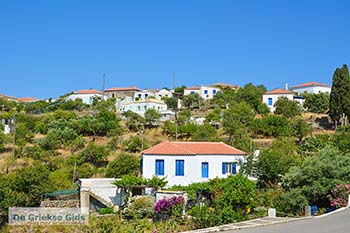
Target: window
(205, 170)
(192, 92)
(269, 101)
(159, 167)
(229, 168)
(179, 167)
(205, 92)
(139, 95)
(113, 95)
(214, 91)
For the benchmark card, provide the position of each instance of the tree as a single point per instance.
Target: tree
(205, 133)
(238, 116)
(318, 175)
(171, 102)
(135, 144)
(317, 103)
(287, 108)
(124, 164)
(93, 154)
(341, 138)
(225, 97)
(301, 129)
(193, 100)
(251, 94)
(152, 116)
(339, 102)
(2, 141)
(135, 122)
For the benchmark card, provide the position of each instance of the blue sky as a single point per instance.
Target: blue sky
(48, 48)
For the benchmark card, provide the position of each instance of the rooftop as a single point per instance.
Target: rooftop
(193, 148)
(27, 99)
(310, 84)
(91, 91)
(278, 91)
(132, 88)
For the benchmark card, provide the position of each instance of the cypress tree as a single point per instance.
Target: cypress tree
(339, 103)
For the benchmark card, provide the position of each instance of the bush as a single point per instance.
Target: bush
(93, 154)
(124, 164)
(339, 195)
(135, 144)
(107, 210)
(139, 207)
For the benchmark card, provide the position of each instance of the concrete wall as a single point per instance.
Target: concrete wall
(274, 100)
(192, 167)
(313, 90)
(86, 98)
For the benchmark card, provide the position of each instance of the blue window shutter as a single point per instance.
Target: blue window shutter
(223, 168)
(234, 168)
(205, 169)
(269, 101)
(179, 167)
(162, 168)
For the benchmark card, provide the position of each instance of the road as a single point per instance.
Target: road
(334, 223)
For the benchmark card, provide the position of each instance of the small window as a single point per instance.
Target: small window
(113, 95)
(179, 168)
(214, 91)
(205, 170)
(205, 92)
(269, 101)
(192, 92)
(229, 168)
(139, 95)
(159, 167)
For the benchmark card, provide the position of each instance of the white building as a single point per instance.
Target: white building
(141, 106)
(206, 92)
(163, 93)
(144, 94)
(271, 97)
(87, 96)
(183, 163)
(311, 87)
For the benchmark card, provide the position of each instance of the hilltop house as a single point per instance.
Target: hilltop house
(163, 93)
(206, 92)
(144, 94)
(87, 96)
(183, 163)
(311, 87)
(271, 97)
(121, 92)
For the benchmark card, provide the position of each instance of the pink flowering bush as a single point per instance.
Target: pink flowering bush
(339, 195)
(169, 204)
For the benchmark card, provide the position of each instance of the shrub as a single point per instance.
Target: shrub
(339, 195)
(124, 164)
(139, 207)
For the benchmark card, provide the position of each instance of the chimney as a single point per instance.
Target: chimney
(287, 86)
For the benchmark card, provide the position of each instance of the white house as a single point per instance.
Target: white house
(311, 87)
(163, 93)
(270, 97)
(183, 163)
(87, 96)
(141, 106)
(144, 94)
(206, 92)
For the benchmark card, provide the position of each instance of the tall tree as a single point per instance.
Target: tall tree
(339, 103)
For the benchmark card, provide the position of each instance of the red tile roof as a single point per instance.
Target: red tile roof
(92, 91)
(27, 99)
(310, 84)
(132, 88)
(278, 91)
(193, 88)
(193, 148)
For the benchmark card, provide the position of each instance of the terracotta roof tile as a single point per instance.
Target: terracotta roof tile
(88, 92)
(27, 99)
(310, 84)
(132, 88)
(193, 88)
(193, 148)
(278, 91)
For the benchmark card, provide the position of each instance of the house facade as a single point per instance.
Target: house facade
(311, 87)
(144, 94)
(271, 97)
(163, 93)
(141, 106)
(121, 92)
(206, 92)
(87, 96)
(183, 163)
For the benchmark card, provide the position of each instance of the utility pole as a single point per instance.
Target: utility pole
(177, 106)
(104, 86)
(74, 173)
(14, 135)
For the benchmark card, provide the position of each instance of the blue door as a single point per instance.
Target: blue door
(205, 170)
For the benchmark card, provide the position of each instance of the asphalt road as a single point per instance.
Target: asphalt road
(334, 223)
